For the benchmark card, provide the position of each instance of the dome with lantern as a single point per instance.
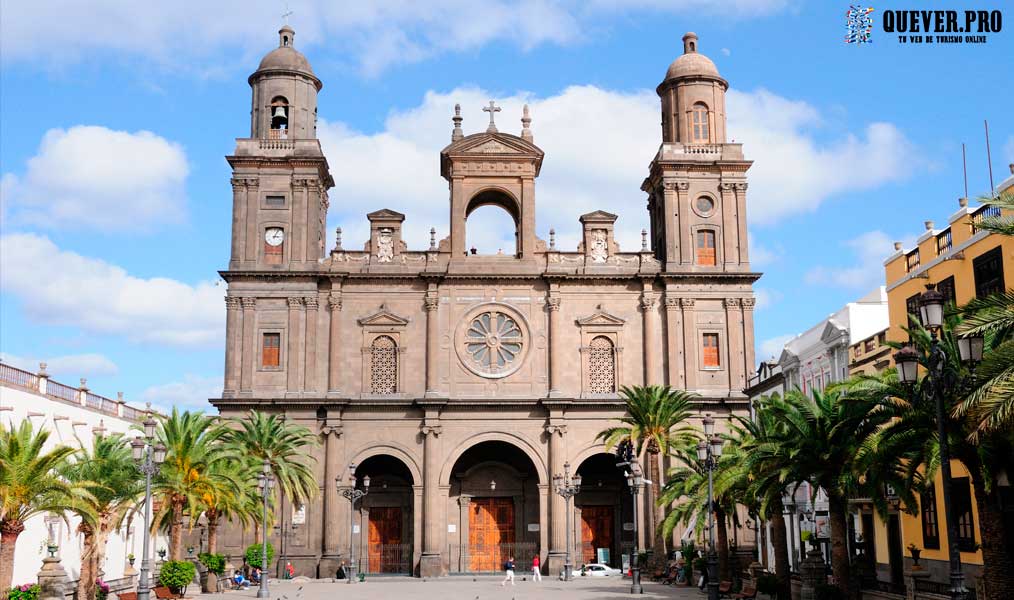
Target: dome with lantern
(691, 63)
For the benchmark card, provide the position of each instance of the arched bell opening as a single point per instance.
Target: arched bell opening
(487, 228)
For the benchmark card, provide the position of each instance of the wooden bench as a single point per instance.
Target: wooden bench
(724, 587)
(127, 596)
(164, 593)
(748, 593)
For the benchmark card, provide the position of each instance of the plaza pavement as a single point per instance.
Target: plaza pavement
(462, 588)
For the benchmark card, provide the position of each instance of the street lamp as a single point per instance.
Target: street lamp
(941, 381)
(265, 483)
(352, 494)
(567, 487)
(708, 452)
(149, 457)
(635, 479)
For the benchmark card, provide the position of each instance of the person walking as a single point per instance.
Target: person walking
(536, 569)
(508, 568)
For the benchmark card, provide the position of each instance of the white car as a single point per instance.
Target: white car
(600, 570)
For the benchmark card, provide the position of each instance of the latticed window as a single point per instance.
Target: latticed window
(601, 366)
(384, 366)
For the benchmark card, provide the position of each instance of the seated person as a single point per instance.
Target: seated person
(239, 580)
(255, 575)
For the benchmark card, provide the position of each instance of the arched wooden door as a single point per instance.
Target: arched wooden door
(490, 533)
(385, 552)
(596, 531)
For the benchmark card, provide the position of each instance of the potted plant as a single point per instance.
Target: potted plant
(161, 553)
(130, 559)
(25, 591)
(177, 575)
(916, 552)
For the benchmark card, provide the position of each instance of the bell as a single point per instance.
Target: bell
(279, 112)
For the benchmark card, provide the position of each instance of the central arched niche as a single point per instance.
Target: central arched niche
(385, 543)
(488, 231)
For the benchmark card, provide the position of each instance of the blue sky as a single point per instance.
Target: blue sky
(115, 120)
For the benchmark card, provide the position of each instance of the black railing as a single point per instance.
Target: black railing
(387, 559)
(941, 588)
(490, 558)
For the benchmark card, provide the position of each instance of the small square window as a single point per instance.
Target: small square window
(274, 201)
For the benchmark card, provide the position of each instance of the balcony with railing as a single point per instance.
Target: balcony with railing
(944, 242)
(40, 383)
(985, 211)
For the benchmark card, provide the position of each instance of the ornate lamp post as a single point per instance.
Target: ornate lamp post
(708, 452)
(567, 486)
(351, 493)
(265, 483)
(149, 458)
(941, 382)
(635, 480)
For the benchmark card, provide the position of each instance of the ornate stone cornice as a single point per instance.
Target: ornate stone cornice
(434, 430)
(249, 302)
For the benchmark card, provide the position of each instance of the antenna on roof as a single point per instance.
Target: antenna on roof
(964, 168)
(989, 161)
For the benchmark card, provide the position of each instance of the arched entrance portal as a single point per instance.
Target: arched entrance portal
(604, 512)
(386, 519)
(495, 488)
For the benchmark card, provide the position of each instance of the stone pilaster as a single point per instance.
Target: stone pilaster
(689, 342)
(686, 255)
(431, 305)
(744, 255)
(557, 505)
(249, 353)
(555, 361)
(748, 306)
(730, 224)
(651, 347)
(734, 325)
(239, 201)
(674, 341)
(292, 379)
(334, 302)
(233, 344)
(331, 432)
(464, 502)
(431, 564)
(310, 368)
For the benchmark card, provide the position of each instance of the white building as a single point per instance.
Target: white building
(811, 361)
(72, 415)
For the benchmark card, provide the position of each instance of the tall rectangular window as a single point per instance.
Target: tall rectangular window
(988, 270)
(946, 287)
(709, 351)
(912, 260)
(912, 306)
(270, 347)
(700, 118)
(706, 247)
(961, 512)
(944, 242)
(930, 523)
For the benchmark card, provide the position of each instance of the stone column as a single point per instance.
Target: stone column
(687, 242)
(544, 493)
(464, 502)
(557, 505)
(729, 225)
(748, 305)
(744, 255)
(238, 220)
(297, 234)
(334, 302)
(674, 341)
(689, 342)
(431, 304)
(248, 356)
(671, 218)
(417, 525)
(292, 362)
(233, 344)
(431, 564)
(555, 361)
(734, 325)
(651, 347)
(331, 431)
(310, 368)
(52, 579)
(252, 238)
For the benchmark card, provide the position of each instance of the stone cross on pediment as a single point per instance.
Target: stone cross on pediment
(491, 109)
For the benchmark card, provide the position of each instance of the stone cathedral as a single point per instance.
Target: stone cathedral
(461, 383)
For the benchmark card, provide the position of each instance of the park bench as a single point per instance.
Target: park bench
(748, 593)
(164, 593)
(724, 587)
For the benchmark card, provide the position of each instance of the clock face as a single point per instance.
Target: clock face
(274, 236)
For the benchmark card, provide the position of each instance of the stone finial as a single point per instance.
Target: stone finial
(929, 225)
(433, 238)
(962, 202)
(42, 370)
(552, 239)
(897, 245)
(644, 240)
(526, 121)
(338, 238)
(119, 397)
(84, 384)
(457, 134)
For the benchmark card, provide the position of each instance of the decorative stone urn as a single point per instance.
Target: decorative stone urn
(52, 579)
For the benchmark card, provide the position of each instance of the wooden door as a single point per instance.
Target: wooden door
(596, 531)
(384, 551)
(490, 533)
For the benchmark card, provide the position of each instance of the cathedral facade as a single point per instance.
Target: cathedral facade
(462, 383)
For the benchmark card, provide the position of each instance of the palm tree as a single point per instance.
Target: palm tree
(108, 472)
(757, 465)
(285, 445)
(30, 485)
(831, 442)
(656, 422)
(1004, 225)
(192, 445)
(687, 484)
(911, 435)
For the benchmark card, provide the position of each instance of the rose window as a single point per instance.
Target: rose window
(493, 343)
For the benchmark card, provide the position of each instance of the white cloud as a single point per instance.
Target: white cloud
(60, 287)
(94, 177)
(766, 298)
(868, 251)
(772, 347)
(71, 365)
(598, 144)
(763, 255)
(375, 34)
(191, 393)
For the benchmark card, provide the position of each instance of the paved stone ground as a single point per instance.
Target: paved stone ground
(463, 588)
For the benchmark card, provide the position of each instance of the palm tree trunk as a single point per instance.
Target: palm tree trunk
(176, 533)
(840, 566)
(86, 579)
(780, 543)
(658, 556)
(212, 532)
(722, 541)
(997, 568)
(9, 532)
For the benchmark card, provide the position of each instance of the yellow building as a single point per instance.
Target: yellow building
(963, 262)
